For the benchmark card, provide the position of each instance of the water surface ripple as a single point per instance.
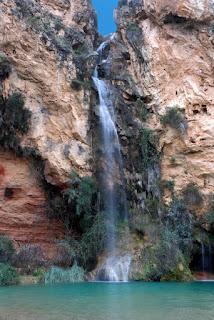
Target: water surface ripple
(109, 301)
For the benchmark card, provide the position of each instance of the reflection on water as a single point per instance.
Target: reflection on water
(109, 301)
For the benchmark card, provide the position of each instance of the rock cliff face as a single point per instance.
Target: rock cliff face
(22, 206)
(48, 45)
(170, 46)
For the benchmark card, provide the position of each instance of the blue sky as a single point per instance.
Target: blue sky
(104, 9)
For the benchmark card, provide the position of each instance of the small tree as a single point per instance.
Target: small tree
(6, 249)
(81, 192)
(8, 275)
(175, 119)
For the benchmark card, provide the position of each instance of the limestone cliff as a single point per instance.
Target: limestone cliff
(48, 45)
(170, 62)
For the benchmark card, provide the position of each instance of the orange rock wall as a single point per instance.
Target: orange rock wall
(22, 206)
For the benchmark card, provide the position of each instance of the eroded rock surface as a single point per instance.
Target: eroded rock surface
(170, 46)
(23, 206)
(49, 45)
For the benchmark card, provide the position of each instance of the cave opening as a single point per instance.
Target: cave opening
(8, 193)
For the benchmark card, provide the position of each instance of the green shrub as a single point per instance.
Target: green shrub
(7, 249)
(192, 195)
(5, 67)
(161, 260)
(152, 205)
(64, 257)
(149, 148)
(76, 205)
(39, 273)
(180, 223)
(15, 121)
(168, 184)
(175, 119)
(57, 275)
(91, 244)
(81, 192)
(8, 275)
(29, 258)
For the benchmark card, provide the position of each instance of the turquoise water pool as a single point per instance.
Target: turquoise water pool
(109, 301)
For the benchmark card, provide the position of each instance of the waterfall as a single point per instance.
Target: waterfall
(116, 266)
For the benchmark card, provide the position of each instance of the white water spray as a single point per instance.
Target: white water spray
(116, 266)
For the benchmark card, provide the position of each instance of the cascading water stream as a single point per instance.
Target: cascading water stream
(116, 266)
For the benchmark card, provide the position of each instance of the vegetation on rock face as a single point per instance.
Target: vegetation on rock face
(7, 249)
(175, 119)
(192, 195)
(57, 275)
(91, 245)
(29, 258)
(14, 121)
(77, 204)
(8, 275)
(81, 192)
(48, 25)
(162, 260)
(148, 142)
(166, 255)
(168, 184)
(5, 67)
(65, 256)
(180, 223)
(77, 208)
(141, 107)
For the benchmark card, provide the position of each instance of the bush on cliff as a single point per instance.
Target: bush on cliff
(5, 67)
(91, 244)
(79, 198)
(175, 119)
(192, 195)
(164, 260)
(7, 249)
(148, 142)
(180, 222)
(65, 255)
(81, 192)
(8, 275)
(14, 121)
(29, 258)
